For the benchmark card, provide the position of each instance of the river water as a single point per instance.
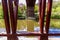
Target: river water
(51, 30)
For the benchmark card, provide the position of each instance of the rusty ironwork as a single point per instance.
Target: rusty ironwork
(48, 15)
(31, 34)
(6, 17)
(49, 8)
(13, 17)
(40, 8)
(42, 16)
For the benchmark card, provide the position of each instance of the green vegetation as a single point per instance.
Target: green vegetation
(2, 23)
(20, 23)
(55, 23)
(22, 11)
(55, 16)
(1, 12)
(56, 10)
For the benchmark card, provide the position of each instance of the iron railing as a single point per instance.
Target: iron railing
(13, 18)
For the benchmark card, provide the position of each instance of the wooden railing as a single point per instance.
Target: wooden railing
(13, 18)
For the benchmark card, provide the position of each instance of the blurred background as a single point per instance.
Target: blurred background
(32, 25)
(22, 21)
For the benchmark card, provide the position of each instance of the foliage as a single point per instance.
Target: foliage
(20, 23)
(1, 12)
(55, 23)
(56, 11)
(36, 8)
(22, 14)
(22, 11)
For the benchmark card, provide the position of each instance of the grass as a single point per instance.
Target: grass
(2, 23)
(23, 23)
(20, 23)
(55, 23)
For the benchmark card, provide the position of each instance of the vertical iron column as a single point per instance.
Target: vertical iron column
(48, 16)
(13, 17)
(16, 12)
(43, 6)
(6, 17)
(42, 15)
(40, 8)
